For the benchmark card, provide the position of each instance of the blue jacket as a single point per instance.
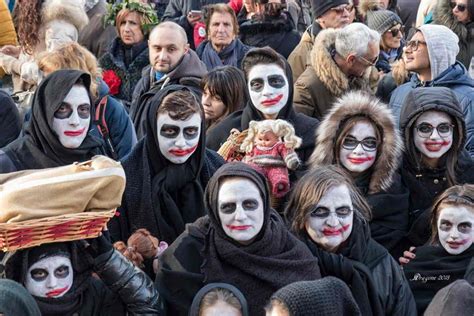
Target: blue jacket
(456, 78)
(121, 131)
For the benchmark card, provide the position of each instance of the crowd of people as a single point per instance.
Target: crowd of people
(290, 158)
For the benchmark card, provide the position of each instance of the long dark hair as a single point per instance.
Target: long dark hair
(228, 83)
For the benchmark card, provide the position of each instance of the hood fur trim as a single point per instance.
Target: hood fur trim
(361, 103)
(368, 5)
(443, 15)
(327, 70)
(72, 11)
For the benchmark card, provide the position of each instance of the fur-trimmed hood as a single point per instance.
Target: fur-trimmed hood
(368, 5)
(71, 11)
(443, 15)
(358, 103)
(327, 70)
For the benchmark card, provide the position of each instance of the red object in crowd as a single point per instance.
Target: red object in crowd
(199, 33)
(112, 80)
(236, 5)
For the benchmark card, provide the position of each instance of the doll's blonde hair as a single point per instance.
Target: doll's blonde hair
(281, 128)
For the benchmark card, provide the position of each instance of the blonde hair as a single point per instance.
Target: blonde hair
(216, 295)
(71, 56)
(281, 128)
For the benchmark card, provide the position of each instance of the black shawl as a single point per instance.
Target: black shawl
(434, 268)
(160, 196)
(40, 147)
(276, 258)
(356, 275)
(305, 126)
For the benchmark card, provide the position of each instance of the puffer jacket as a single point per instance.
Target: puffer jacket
(426, 183)
(188, 72)
(319, 85)
(443, 15)
(129, 74)
(457, 79)
(300, 57)
(381, 185)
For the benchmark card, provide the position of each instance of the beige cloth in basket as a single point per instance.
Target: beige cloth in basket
(91, 186)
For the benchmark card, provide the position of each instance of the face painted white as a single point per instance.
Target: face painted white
(72, 119)
(330, 231)
(178, 139)
(359, 159)
(51, 277)
(220, 308)
(455, 228)
(240, 209)
(434, 146)
(268, 89)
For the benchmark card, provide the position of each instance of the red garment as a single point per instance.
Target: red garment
(270, 161)
(236, 5)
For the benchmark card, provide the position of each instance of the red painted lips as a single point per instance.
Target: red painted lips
(56, 292)
(242, 227)
(182, 152)
(360, 160)
(75, 133)
(335, 232)
(274, 101)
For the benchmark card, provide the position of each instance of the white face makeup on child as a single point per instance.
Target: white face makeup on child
(455, 230)
(71, 121)
(331, 221)
(359, 147)
(240, 209)
(268, 89)
(178, 139)
(51, 277)
(433, 134)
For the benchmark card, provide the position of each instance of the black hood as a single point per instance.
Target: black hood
(195, 307)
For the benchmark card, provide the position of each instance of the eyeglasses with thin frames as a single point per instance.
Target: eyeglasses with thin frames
(369, 144)
(425, 130)
(414, 45)
(461, 7)
(368, 62)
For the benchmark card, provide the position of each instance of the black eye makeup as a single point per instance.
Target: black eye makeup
(62, 272)
(172, 131)
(257, 85)
(250, 204)
(39, 274)
(228, 208)
(276, 81)
(445, 225)
(65, 111)
(465, 228)
(323, 212)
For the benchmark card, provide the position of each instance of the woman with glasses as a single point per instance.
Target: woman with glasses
(390, 27)
(327, 212)
(360, 136)
(458, 15)
(434, 133)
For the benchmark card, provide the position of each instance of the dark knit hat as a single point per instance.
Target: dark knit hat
(328, 296)
(382, 20)
(319, 7)
(454, 299)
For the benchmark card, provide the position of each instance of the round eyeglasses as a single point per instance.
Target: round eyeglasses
(368, 144)
(425, 130)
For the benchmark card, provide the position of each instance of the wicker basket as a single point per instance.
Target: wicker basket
(30, 233)
(230, 150)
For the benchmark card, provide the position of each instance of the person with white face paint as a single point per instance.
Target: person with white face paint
(359, 135)
(327, 212)
(167, 170)
(62, 284)
(270, 86)
(58, 131)
(242, 242)
(434, 133)
(449, 254)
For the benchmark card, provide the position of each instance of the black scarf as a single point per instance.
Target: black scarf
(40, 147)
(276, 258)
(71, 302)
(356, 275)
(434, 268)
(162, 197)
(228, 56)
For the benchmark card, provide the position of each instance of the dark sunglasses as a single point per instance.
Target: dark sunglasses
(341, 9)
(461, 7)
(395, 32)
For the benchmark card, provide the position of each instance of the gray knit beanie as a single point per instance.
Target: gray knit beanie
(382, 20)
(453, 300)
(319, 7)
(328, 296)
(443, 47)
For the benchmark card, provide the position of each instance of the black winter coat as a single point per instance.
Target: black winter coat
(10, 122)
(127, 63)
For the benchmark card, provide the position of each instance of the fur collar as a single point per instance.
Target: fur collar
(328, 71)
(443, 15)
(360, 103)
(71, 11)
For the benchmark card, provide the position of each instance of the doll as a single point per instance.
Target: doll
(140, 246)
(270, 149)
